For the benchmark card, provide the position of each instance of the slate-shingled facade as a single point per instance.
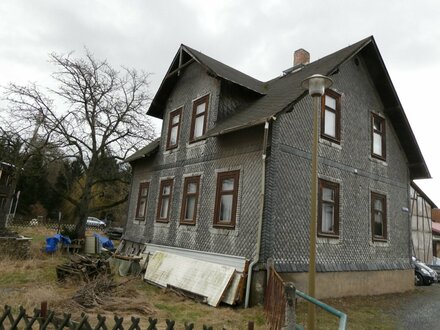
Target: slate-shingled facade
(261, 133)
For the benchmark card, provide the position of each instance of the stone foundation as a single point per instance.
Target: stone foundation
(15, 247)
(343, 284)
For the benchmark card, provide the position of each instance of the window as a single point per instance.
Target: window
(198, 122)
(331, 116)
(142, 201)
(328, 208)
(379, 216)
(163, 208)
(189, 200)
(174, 128)
(226, 199)
(378, 137)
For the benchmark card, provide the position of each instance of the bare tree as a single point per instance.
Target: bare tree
(95, 113)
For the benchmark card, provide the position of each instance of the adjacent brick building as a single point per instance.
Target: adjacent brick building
(231, 171)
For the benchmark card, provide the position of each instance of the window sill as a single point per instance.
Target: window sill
(323, 235)
(378, 160)
(221, 230)
(138, 221)
(325, 142)
(162, 221)
(171, 150)
(380, 242)
(184, 223)
(224, 226)
(196, 142)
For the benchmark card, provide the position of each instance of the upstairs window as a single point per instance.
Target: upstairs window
(198, 121)
(328, 208)
(174, 128)
(378, 138)
(226, 199)
(142, 201)
(379, 216)
(164, 205)
(331, 116)
(190, 200)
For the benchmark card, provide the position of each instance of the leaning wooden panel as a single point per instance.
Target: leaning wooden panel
(200, 277)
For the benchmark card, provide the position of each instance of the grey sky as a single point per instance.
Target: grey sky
(256, 37)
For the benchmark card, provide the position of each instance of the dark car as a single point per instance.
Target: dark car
(423, 274)
(115, 232)
(436, 268)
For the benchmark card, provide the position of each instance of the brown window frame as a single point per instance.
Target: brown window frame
(383, 198)
(164, 183)
(142, 185)
(381, 133)
(187, 181)
(204, 99)
(335, 187)
(177, 112)
(219, 193)
(337, 112)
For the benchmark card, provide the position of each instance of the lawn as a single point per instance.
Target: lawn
(32, 281)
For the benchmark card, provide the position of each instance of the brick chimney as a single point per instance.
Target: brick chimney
(301, 56)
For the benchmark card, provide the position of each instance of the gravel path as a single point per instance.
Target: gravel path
(422, 311)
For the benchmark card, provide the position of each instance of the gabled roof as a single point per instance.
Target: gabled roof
(186, 56)
(422, 193)
(145, 151)
(282, 93)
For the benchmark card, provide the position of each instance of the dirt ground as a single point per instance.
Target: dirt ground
(27, 283)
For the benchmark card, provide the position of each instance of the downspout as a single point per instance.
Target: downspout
(260, 222)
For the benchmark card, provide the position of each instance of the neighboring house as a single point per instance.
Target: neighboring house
(436, 232)
(6, 191)
(421, 224)
(230, 173)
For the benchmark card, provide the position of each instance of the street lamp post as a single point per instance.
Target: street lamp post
(316, 86)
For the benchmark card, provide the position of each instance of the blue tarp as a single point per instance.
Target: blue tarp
(105, 242)
(52, 242)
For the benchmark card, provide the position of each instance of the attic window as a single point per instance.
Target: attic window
(378, 137)
(331, 116)
(174, 128)
(198, 121)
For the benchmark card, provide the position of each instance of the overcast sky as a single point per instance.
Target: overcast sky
(256, 37)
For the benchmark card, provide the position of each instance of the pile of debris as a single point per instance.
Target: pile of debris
(84, 268)
(95, 292)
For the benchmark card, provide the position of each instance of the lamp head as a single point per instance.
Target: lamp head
(316, 84)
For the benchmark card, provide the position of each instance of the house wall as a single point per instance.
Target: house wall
(287, 213)
(421, 228)
(237, 151)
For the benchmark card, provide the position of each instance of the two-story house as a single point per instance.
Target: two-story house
(230, 173)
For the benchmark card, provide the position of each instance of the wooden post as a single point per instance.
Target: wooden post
(269, 264)
(290, 319)
(250, 325)
(43, 309)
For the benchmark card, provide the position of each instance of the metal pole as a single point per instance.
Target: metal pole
(311, 320)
